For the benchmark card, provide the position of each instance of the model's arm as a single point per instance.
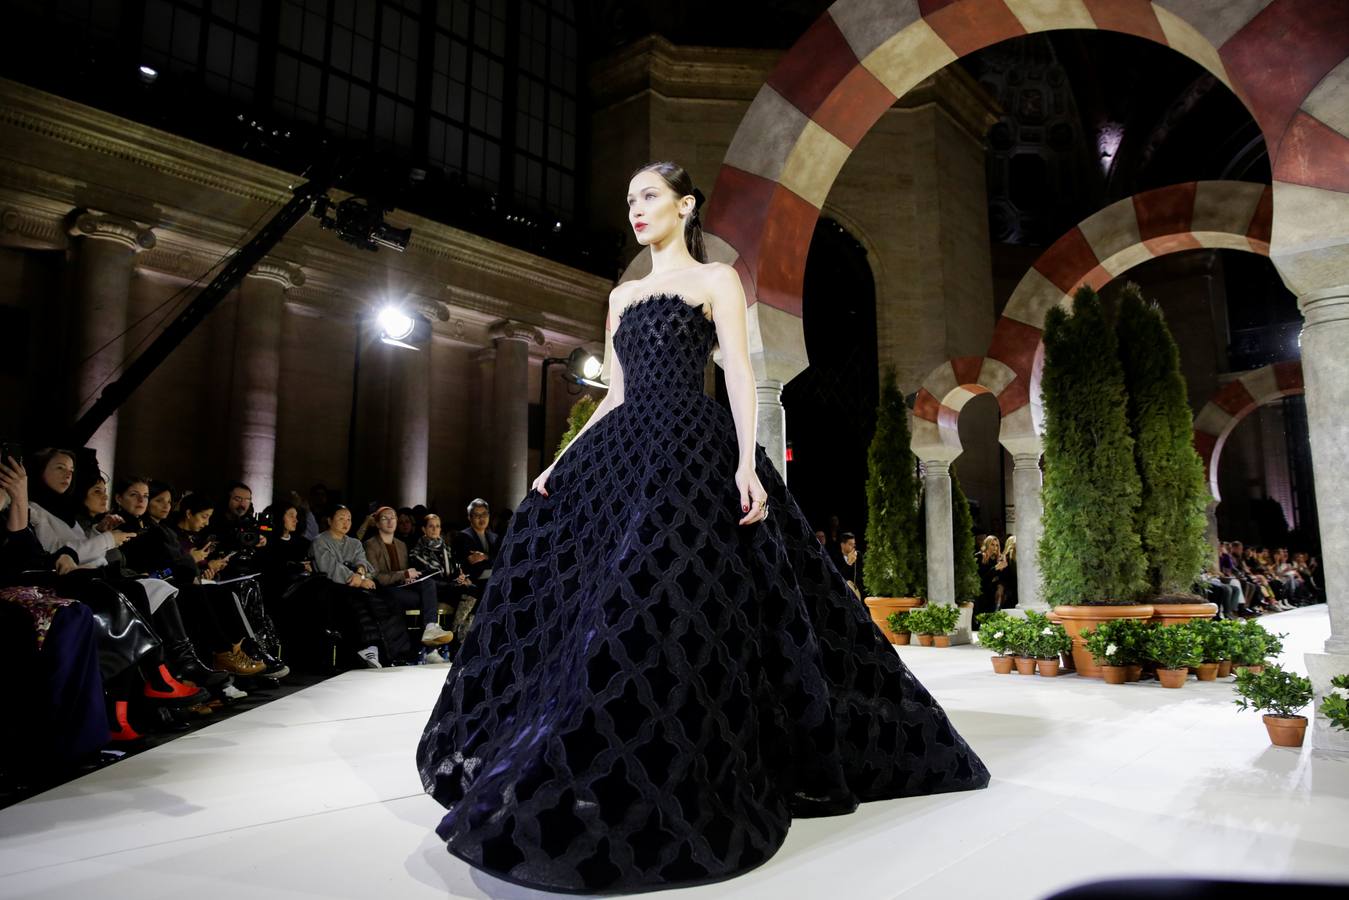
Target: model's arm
(732, 320)
(611, 373)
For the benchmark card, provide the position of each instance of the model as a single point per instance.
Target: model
(666, 668)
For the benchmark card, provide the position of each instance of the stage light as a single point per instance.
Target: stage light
(395, 324)
(148, 74)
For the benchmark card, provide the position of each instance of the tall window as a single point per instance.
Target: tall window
(545, 108)
(468, 86)
(216, 40)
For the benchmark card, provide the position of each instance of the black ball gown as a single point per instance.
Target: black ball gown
(652, 691)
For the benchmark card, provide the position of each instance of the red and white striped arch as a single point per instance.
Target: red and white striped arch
(1194, 215)
(1288, 60)
(1233, 402)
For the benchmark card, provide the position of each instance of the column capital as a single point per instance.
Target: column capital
(1026, 460)
(287, 274)
(511, 330)
(88, 223)
(935, 468)
(1324, 306)
(485, 354)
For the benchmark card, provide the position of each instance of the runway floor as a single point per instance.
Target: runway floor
(316, 795)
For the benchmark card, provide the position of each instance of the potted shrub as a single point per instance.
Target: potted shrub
(1108, 648)
(942, 619)
(1021, 645)
(1283, 694)
(894, 572)
(1174, 650)
(898, 623)
(1089, 573)
(995, 635)
(1049, 641)
(921, 626)
(1170, 517)
(1335, 706)
(1212, 647)
(1230, 631)
(1250, 647)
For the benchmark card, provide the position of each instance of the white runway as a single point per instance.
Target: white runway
(315, 795)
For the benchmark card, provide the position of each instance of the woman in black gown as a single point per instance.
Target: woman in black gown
(666, 668)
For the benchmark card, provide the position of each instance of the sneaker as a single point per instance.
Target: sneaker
(433, 635)
(233, 693)
(370, 656)
(275, 667)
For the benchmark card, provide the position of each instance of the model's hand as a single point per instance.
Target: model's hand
(753, 497)
(539, 482)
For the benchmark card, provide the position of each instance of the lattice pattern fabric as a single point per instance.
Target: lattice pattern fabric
(652, 691)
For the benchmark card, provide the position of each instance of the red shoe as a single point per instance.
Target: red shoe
(124, 730)
(173, 689)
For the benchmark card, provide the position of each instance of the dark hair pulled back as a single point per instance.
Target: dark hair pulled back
(678, 180)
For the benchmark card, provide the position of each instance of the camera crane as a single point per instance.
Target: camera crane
(356, 222)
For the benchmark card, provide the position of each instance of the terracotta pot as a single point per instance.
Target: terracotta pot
(1025, 665)
(1257, 668)
(902, 638)
(925, 640)
(1172, 678)
(1002, 665)
(1207, 671)
(881, 608)
(1239, 667)
(941, 640)
(1114, 674)
(1049, 668)
(1076, 619)
(1224, 668)
(1133, 672)
(1180, 613)
(1286, 731)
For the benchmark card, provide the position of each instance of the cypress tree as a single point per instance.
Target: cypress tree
(962, 542)
(580, 414)
(894, 564)
(1090, 551)
(1170, 518)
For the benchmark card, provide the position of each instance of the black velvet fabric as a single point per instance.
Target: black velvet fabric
(652, 691)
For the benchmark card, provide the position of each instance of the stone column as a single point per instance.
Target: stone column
(1027, 482)
(104, 261)
(410, 426)
(481, 446)
(772, 423)
(510, 411)
(253, 400)
(941, 563)
(1325, 371)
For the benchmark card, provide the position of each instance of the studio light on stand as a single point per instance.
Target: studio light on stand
(582, 367)
(400, 328)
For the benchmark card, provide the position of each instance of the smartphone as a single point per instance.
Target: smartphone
(11, 450)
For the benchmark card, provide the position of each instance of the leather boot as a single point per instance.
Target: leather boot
(123, 731)
(178, 650)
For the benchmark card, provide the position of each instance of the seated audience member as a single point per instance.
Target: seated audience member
(407, 526)
(50, 645)
(398, 580)
(229, 523)
(287, 552)
(1009, 585)
(367, 619)
(219, 619)
(477, 546)
(434, 556)
(155, 551)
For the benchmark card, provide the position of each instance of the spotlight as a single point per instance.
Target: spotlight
(148, 74)
(361, 223)
(398, 328)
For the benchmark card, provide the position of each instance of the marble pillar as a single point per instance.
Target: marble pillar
(1027, 481)
(772, 424)
(105, 255)
(941, 572)
(480, 447)
(1325, 371)
(253, 401)
(410, 426)
(510, 411)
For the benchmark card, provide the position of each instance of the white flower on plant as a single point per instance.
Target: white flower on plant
(1111, 650)
(997, 635)
(1049, 629)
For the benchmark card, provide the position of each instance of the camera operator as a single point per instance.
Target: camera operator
(236, 532)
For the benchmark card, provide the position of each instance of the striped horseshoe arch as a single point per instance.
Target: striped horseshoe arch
(1233, 402)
